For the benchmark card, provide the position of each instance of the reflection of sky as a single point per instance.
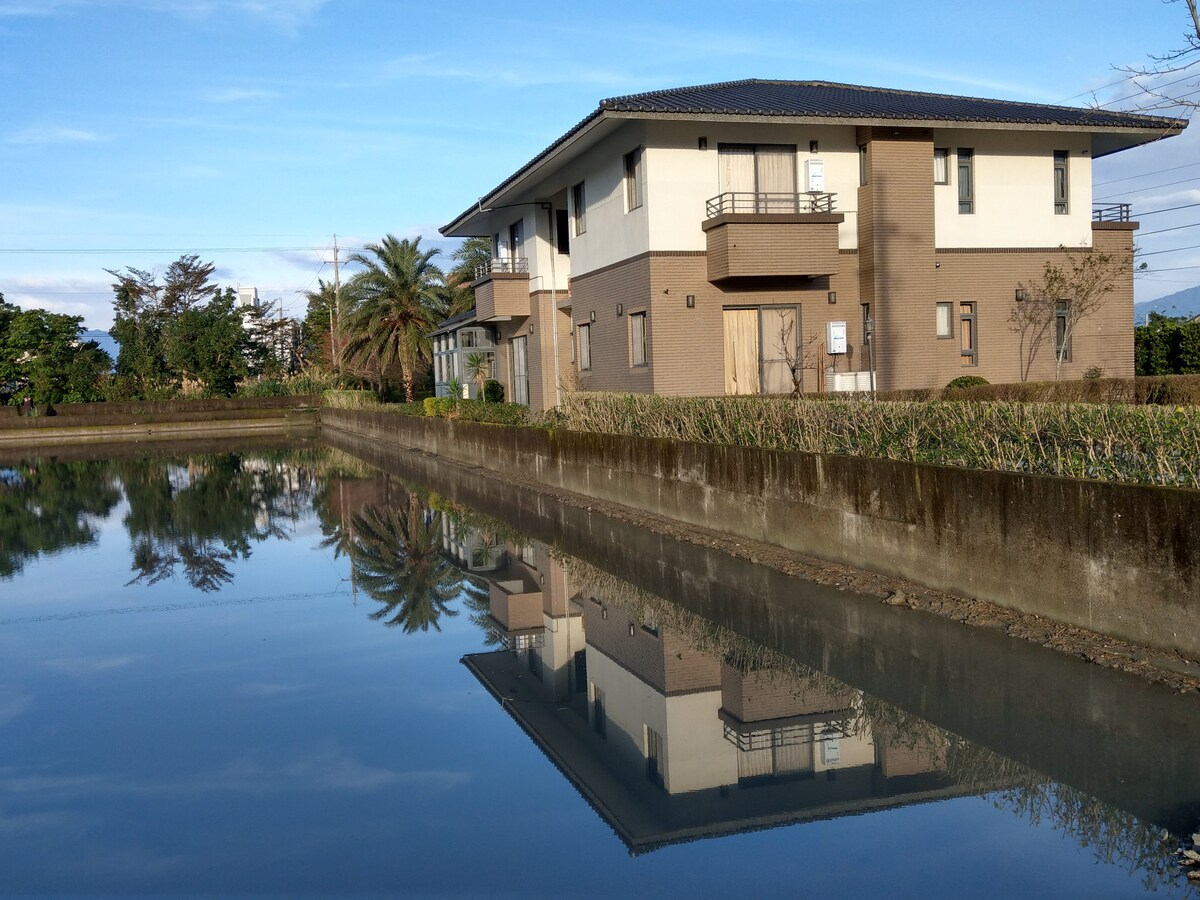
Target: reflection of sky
(271, 738)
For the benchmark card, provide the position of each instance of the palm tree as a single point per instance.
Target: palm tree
(399, 303)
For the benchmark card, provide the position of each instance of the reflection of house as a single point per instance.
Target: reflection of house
(702, 240)
(675, 744)
(528, 612)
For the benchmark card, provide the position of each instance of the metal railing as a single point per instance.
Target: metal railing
(768, 202)
(1115, 212)
(508, 265)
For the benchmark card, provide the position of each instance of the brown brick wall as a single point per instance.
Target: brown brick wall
(760, 697)
(668, 663)
(900, 244)
(787, 247)
(600, 291)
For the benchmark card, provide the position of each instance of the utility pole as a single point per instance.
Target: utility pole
(335, 314)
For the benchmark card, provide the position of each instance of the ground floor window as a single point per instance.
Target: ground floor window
(520, 370)
(967, 337)
(637, 338)
(1062, 336)
(584, 335)
(762, 345)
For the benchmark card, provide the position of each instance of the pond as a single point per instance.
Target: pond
(286, 671)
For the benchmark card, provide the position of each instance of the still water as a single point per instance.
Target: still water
(288, 672)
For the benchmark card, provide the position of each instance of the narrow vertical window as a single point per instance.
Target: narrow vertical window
(1062, 339)
(562, 231)
(637, 335)
(944, 319)
(1060, 182)
(941, 165)
(862, 164)
(966, 180)
(584, 333)
(577, 209)
(967, 335)
(633, 179)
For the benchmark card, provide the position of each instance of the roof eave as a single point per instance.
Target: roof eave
(530, 169)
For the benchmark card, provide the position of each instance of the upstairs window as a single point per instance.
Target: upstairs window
(941, 165)
(633, 179)
(578, 217)
(862, 164)
(966, 180)
(562, 231)
(1060, 182)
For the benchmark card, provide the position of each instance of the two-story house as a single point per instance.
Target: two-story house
(728, 238)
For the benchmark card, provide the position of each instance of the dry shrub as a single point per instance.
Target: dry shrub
(1146, 444)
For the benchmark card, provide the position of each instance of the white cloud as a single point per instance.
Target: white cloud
(287, 15)
(239, 95)
(53, 134)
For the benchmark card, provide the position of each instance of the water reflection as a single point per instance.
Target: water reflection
(48, 507)
(676, 728)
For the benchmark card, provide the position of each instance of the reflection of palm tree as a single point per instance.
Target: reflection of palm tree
(396, 554)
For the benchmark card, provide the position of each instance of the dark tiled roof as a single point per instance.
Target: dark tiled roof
(754, 97)
(455, 322)
(823, 99)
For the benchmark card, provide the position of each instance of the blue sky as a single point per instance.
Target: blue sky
(251, 131)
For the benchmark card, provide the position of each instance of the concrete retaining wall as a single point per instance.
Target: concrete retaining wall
(76, 423)
(1118, 559)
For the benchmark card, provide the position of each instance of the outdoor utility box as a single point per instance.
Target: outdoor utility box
(835, 338)
(814, 176)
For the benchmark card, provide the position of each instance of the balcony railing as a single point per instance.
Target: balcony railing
(509, 265)
(1116, 212)
(771, 203)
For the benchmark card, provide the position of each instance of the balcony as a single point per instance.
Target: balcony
(502, 289)
(1114, 212)
(772, 235)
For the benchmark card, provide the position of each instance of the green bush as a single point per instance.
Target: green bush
(495, 413)
(966, 381)
(493, 391)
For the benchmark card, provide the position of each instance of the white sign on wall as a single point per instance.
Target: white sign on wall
(835, 341)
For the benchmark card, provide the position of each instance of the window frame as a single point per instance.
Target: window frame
(968, 325)
(583, 337)
(965, 157)
(862, 166)
(632, 163)
(578, 209)
(639, 354)
(941, 154)
(1062, 310)
(948, 306)
(1062, 200)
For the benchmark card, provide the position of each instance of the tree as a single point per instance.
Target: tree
(271, 339)
(399, 304)
(796, 356)
(144, 310)
(317, 346)
(207, 345)
(41, 356)
(1064, 295)
(1173, 63)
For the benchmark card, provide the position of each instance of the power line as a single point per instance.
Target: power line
(1145, 174)
(1153, 187)
(1155, 212)
(1143, 234)
(1173, 250)
(115, 250)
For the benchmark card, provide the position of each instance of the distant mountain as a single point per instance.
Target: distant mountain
(1181, 303)
(105, 340)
